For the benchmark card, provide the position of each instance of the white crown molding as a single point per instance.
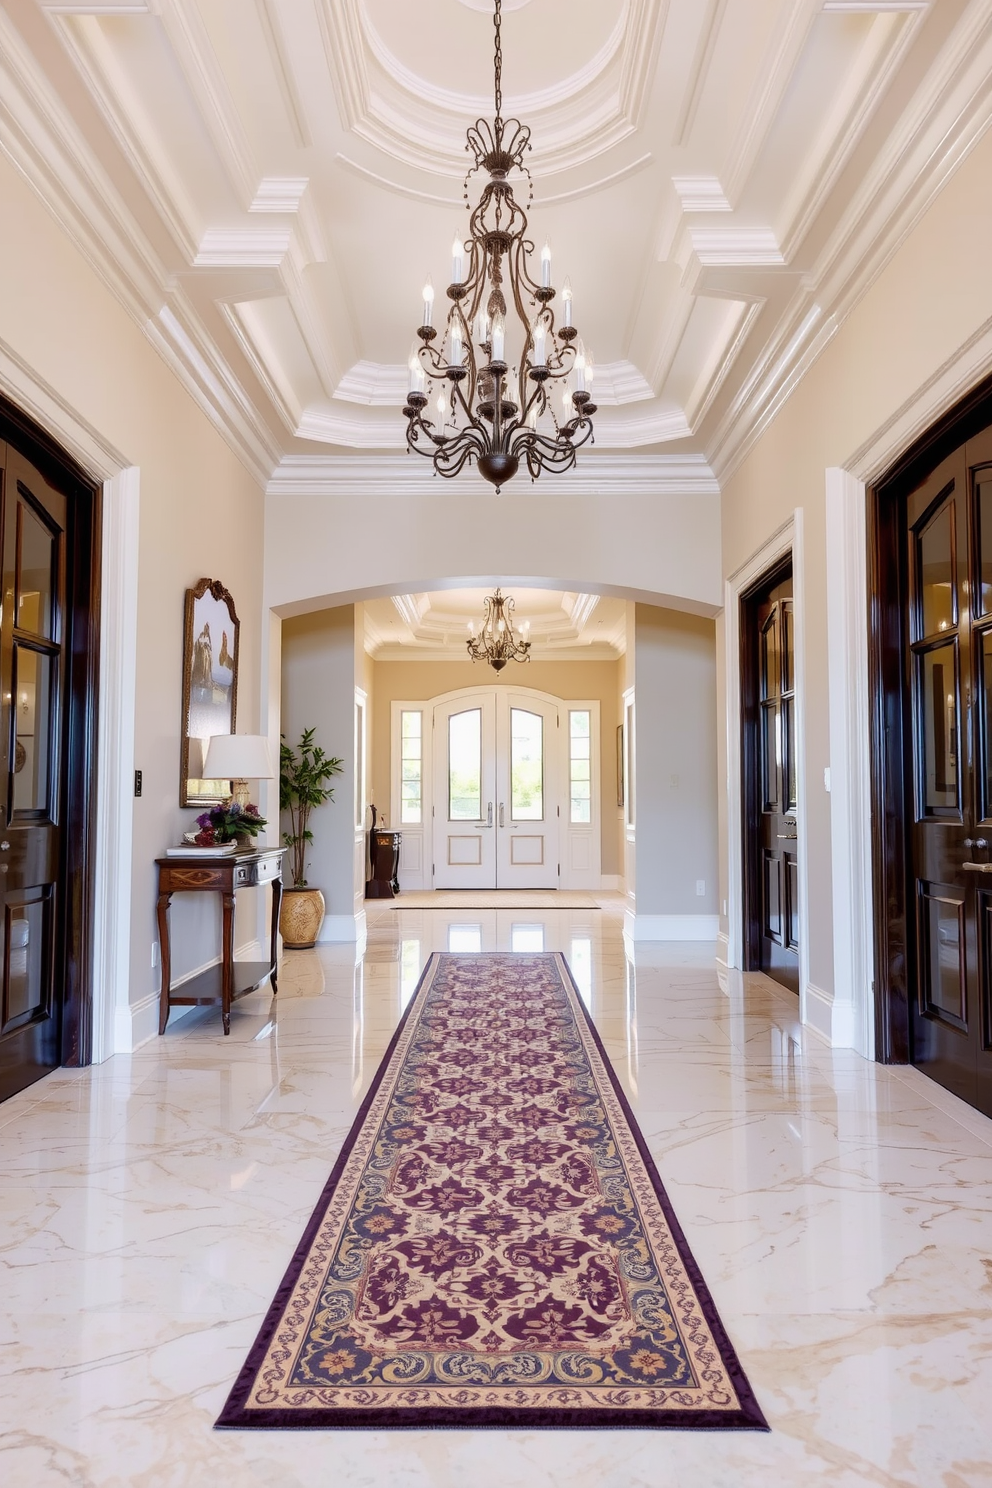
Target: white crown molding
(243, 248)
(701, 194)
(279, 194)
(384, 385)
(423, 125)
(950, 111)
(771, 84)
(744, 247)
(708, 32)
(385, 474)
(269, 19)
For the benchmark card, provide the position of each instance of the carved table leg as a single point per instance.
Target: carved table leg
(274, 950)
(164, 900)
(227, 964)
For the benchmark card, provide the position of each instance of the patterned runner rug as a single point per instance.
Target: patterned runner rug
(494, 1247)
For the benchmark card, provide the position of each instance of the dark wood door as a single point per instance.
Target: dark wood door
(32, 712)
(948, 692)
(770, 826)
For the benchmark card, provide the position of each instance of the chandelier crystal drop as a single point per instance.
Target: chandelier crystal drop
(481, 389)
(496, 641)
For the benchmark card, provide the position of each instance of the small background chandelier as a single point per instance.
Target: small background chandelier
(488, 409)
(496, 641)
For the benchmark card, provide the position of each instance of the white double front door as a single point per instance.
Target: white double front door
(497, 795)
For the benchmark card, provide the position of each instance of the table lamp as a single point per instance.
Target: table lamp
(238, 758)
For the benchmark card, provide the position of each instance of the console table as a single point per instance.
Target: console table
(218, 985)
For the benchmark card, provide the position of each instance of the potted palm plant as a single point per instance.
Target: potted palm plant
(303, 776)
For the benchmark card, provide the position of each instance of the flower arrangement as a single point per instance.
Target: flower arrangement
(228, 823)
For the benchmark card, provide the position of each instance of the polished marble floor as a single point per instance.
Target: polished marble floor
(841, 1214)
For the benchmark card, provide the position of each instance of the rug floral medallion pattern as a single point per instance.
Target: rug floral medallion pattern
(494, 1247)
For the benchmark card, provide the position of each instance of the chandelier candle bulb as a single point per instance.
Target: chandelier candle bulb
(428, 302)
(456, 342)
(482, 327)
(566, 303)
(457, 261)
(418, 377)
(580, 373)
(539, 339)
(546, 266)
(498, 337)
(590, 369)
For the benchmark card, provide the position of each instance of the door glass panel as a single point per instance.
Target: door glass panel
(465, 766)
(985, 673)
(770, 751)
(937, 728)
(984, 504)
(788, 648)
(32, 744)
(526, 765)
(935, 573)
(34, 581)
(770, 664)
(789, 750)
(411, 766)
(942, 969)
(26, 981)
(580, 766)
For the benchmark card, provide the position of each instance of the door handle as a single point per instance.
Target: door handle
(501, 821)
(489, 817)
(788, 836)
(4, 845)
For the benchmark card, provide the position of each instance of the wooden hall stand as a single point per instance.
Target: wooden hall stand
(218, 985)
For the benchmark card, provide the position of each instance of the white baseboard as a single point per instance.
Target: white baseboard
(723, 959)
(343, 928)
(639, 927)
(833, 1020)
(140, 1020)
(611, 883)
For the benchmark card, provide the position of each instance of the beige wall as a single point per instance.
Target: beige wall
(200, 514)
(931, 299)
(414, 681)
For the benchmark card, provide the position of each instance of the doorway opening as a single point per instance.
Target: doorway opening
(49, 541)
(497, 788)
(769, 777)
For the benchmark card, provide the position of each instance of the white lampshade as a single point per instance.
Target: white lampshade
(238, 757)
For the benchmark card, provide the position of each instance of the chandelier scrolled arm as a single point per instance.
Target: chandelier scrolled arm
(493, 406)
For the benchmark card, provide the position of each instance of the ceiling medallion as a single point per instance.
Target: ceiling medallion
(496, 413)
(496, 642)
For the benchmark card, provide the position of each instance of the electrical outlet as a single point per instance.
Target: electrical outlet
(154, 954)
(700, 888)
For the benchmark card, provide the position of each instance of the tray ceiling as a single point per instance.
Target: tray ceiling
(266, 183)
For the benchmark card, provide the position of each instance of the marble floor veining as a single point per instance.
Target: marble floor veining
(841, 1213)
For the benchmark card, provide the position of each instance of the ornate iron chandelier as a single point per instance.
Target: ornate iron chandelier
(496, 642)
(487, 409)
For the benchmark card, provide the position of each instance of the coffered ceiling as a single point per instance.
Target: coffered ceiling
(265, 184)
(435, 626)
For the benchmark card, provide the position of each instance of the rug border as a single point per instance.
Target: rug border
(235, 1415)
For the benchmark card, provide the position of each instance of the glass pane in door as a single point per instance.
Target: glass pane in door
(465, 766)
(526, 765)
(983, 503)
(35, 570)
(32, 742)
(938, 729)
(935, 574)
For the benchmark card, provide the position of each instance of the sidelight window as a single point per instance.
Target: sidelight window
(580, 765)
(411, 767)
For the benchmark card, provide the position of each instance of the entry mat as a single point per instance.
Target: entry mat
(494, 1247)
(494, 899)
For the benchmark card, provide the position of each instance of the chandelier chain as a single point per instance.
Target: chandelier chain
(498, 63)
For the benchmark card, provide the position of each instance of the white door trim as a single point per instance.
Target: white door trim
(788, 538)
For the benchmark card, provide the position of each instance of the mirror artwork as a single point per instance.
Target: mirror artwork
(210, 687)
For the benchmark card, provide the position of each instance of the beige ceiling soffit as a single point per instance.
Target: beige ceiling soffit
(877, 65)
(705, 47)
(876, 7)
(722, 358)
(735, 247)
(396, 186)
(623, 431)
(326, 426)
(951, 109)
(701, 194)
(202, 70)
(670, 339)
(48, 149)
(394, 475)
(410, 608)
(216, 392)
(646, 21)
(384, 384)
(126, 7)
(773, 79)
(243, 248)
(277, 389)
(122, 109)
(268, 15)
(600, 184)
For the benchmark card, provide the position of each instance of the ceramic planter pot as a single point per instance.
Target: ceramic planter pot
(300, 918)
